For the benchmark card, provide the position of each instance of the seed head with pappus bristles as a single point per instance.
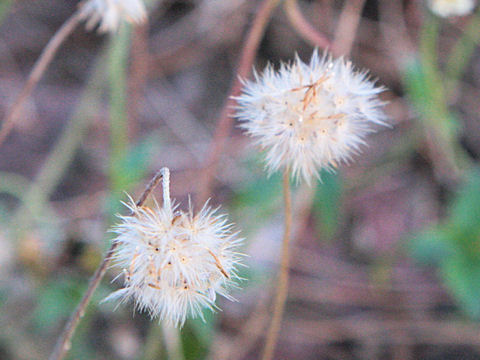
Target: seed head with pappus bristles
(447, 8)
(175, 262)
(109, 13)
(310, 116)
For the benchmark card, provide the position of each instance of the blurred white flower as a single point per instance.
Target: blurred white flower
(446, 8)
(310, 116)
(175, 262)
(109, 13)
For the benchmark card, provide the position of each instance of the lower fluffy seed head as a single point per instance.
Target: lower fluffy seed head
(175, 262)
(109, 13)
(447, 8)
(310, 116)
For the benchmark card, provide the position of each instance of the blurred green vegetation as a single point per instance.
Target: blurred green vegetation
(326, 205)
(260, 198)
(4, 8)
(454, 246)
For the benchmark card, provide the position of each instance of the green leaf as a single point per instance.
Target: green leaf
(262, 196)
(130, 170)
(455, 246)
(5, 8)
(56, 301)
(431, 246)
(203, 330)
(425, 92)
(195, 343)
(416, 84)
(132, 167)
(327, 203)
(463, 279)
(465, 211)
(259, 191)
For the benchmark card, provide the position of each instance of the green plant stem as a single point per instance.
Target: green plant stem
(37, 194)
(461, 53)
(153, 346)
(440, 127)
(4, 9)
(428, 50)
(118, 58)
(282, 286)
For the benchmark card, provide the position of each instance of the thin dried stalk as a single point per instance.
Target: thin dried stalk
(282, 286)
(138, 76)
(64, 341)
(347, 27)
(37, 72)
(225, 120)
(303, 27)
(306, 192)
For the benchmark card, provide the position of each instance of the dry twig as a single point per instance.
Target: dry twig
(64, 341)
(38, 70)
(225, 120)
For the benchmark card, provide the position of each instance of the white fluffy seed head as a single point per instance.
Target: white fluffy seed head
(175, 262)
(447, 8)
(109, 13)
(310, 116)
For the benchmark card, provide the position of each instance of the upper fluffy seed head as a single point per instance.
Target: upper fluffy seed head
(310, 116)
(109, 13)
(446, 8)
(175, 262)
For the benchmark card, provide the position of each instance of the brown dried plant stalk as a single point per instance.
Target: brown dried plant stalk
(282, 286)
(64, 341)
(344, 37)
(37, 72)
(303, 27)
(225, 119)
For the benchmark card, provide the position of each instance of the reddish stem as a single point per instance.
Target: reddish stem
(303, 27)
(225, 120)
(64, 341)
(37, 72)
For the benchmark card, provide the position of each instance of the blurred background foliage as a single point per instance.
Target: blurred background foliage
(453, 246)
(386, 259)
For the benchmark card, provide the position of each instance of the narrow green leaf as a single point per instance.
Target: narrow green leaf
(431, 246)
(327, 203)
(462, 277)
(4, 8)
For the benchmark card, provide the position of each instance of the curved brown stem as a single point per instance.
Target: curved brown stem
(38, 69)
(64, 341)
(282, 287)
(225, 120)
(303, 27)
(347, 27)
